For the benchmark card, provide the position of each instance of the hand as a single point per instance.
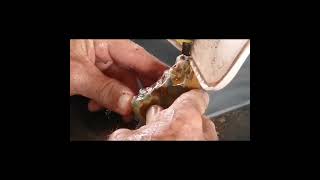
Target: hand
(106, 71)
(183, 120)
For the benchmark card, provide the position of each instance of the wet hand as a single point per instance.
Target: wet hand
(106, 71)
(183, 120)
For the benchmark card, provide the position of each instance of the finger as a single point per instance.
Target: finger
(106, 91)
(103, 65)
(197, 99)
(130, 135)
(94, 106)
(77, 76)
(132, 56)
(209, 129)
(125, 76)
(120, 135)
(102, 51)
(82, 48)
(152, 113)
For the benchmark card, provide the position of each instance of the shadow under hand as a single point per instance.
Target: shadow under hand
(88, 126)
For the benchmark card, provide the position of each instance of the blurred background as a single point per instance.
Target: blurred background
(229, 108)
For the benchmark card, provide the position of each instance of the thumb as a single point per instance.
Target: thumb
(194, 99)
(106, 91)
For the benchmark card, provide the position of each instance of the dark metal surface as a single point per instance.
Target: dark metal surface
(234, 125)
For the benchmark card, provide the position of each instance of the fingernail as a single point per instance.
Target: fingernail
(124, 102)
(155, 109)
(152, 112)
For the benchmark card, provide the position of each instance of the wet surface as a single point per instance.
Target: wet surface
(85, 125)
(175, 81)
(237, 92)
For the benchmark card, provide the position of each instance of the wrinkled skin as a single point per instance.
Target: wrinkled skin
(183, 120)
(106, 71)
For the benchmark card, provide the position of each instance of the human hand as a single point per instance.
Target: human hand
(106, 71)
(183, 120)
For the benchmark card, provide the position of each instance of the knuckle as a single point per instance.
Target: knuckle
(106, 90)
(100, 47)
(186, 119)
